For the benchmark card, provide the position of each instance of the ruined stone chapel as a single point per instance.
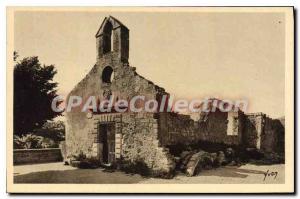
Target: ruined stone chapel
(129, 136)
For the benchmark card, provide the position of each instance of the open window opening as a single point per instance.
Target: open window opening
(107, 38)
(107, 74)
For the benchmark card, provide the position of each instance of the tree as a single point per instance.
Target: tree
(53, 130)
(34, 91)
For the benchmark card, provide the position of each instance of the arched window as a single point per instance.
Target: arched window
(107, 38)
(107, 74)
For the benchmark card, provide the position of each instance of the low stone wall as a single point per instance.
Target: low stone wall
(35, 156)
(176, 128)
(214, 127)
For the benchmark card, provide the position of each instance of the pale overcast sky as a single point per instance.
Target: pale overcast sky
(191, 55)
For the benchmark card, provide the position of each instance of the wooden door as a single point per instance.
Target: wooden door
(111, 143)
(107, 138)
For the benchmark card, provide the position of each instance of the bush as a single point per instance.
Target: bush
(31, 141)
(48, 136)
(52, 130)
(79, 157)
(28, 141)
(89, 163)
(83, 162)
(136, 167)
(269, 158)
(49, 143)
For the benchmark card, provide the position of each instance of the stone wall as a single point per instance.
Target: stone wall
(253, 128)
(279, 134)
(125, 85)
(269, 136)
(215, 127)
(136, 140)
(140, 142)
(263, 133)
(36, 156)
(221, 127)
(176, 128)
(136, 133)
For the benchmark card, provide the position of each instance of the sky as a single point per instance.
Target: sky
(193, 55)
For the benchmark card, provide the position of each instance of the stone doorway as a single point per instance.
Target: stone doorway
(107, 138)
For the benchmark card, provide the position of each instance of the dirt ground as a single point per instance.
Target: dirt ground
(59, 173)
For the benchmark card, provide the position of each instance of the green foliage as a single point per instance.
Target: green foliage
(89, 163)
(52, 130)
(83, 162)
(28, 141)
(31, 141)
(34, 91)
(16, 55)
(49, 143)
(137, 166)
(79, 157)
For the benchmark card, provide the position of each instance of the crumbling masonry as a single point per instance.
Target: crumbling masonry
(145, 137)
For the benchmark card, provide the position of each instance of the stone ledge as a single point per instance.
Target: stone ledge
(35, 156)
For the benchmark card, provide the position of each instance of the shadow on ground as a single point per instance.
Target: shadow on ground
(78, 176)
(99, 176)
(233, 172)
